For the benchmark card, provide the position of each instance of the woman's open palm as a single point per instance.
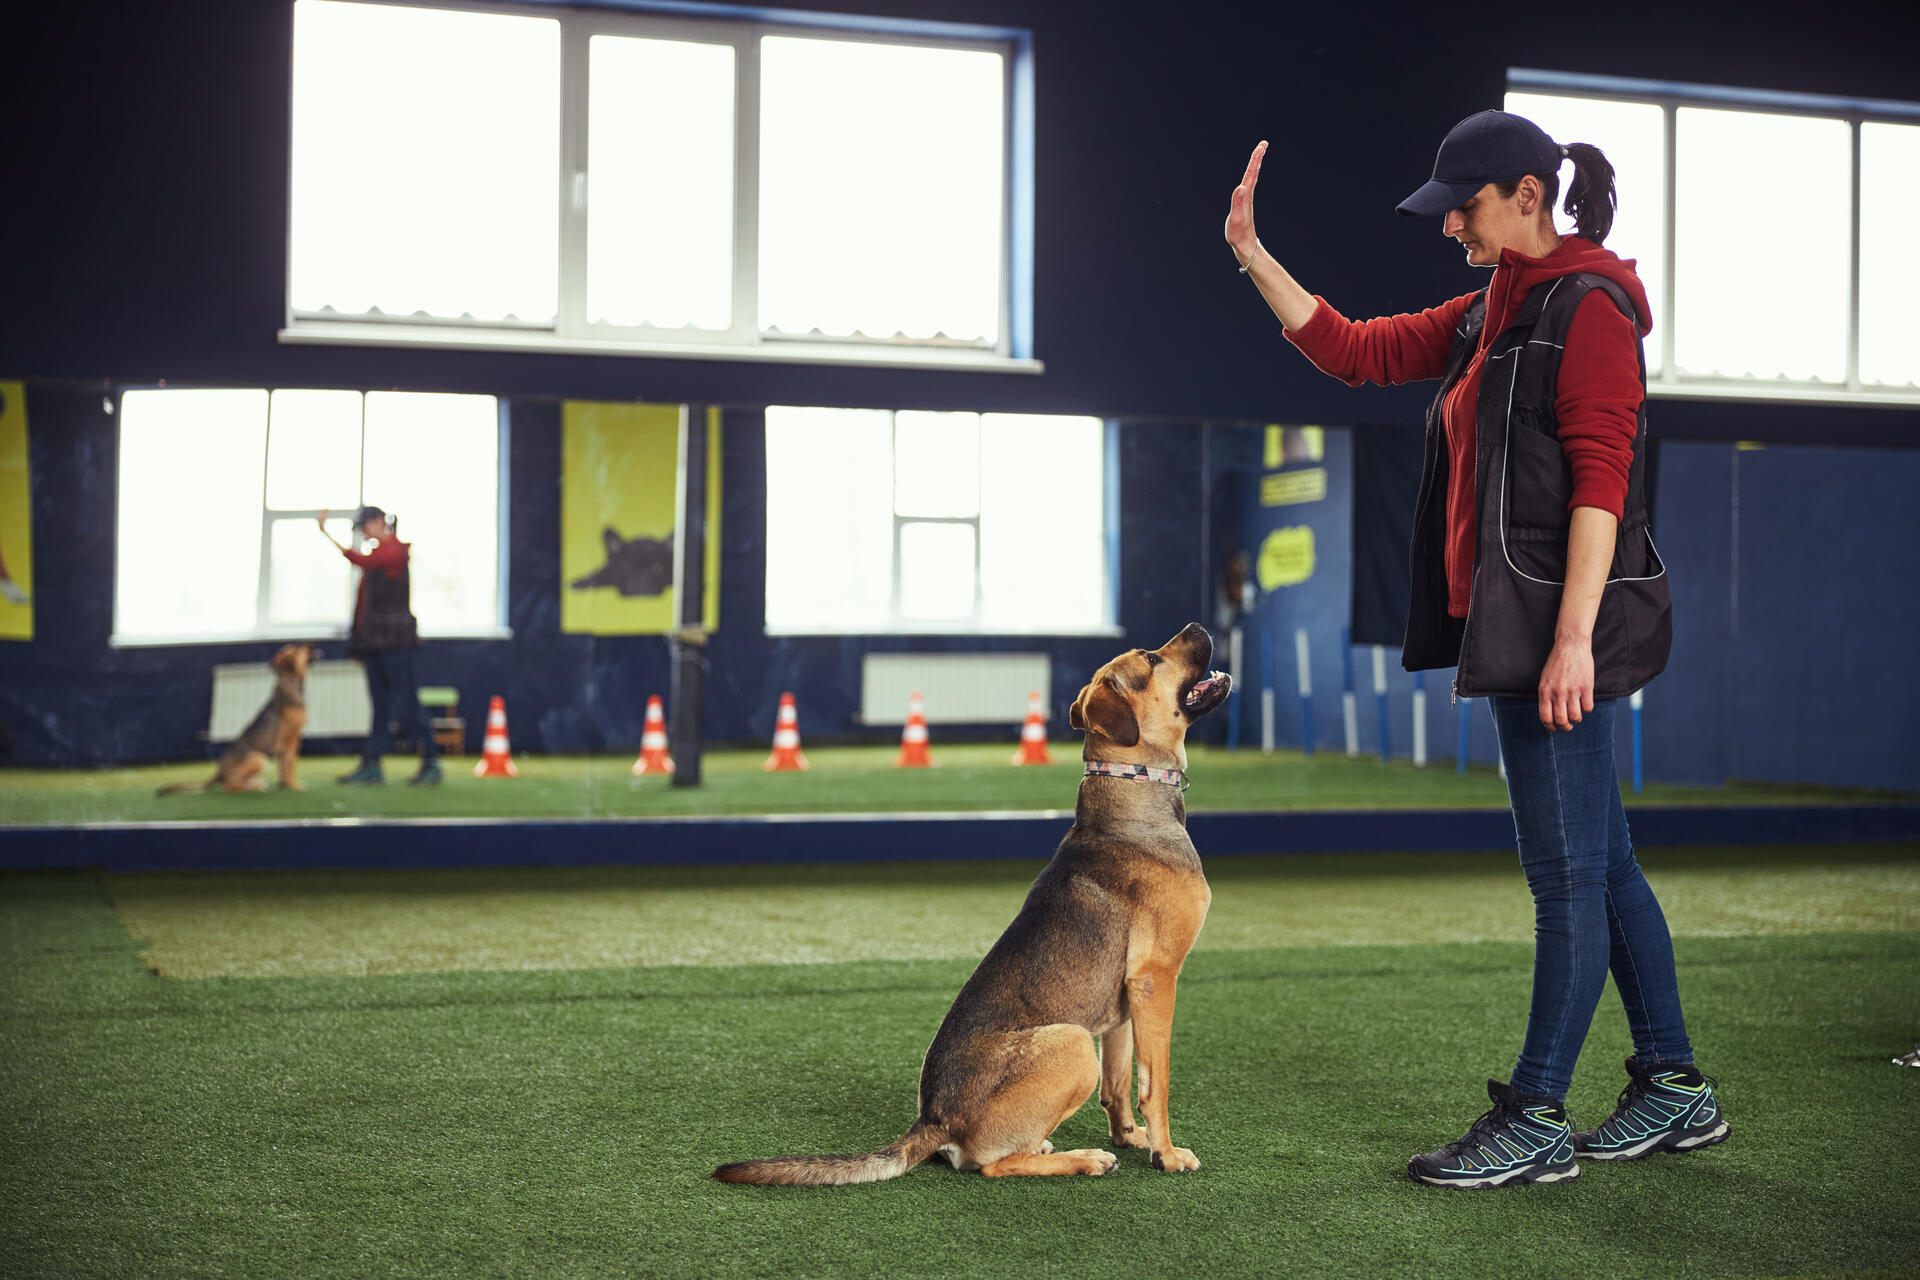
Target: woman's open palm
(1240, 233)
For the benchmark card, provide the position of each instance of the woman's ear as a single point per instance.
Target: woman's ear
(1101, 709)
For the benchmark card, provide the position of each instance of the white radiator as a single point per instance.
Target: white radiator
(960, 688)
(337, 704)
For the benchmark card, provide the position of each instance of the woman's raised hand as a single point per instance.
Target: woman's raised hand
(1240, 233)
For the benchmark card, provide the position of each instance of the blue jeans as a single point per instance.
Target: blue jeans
(390, 678)
(1592, 909)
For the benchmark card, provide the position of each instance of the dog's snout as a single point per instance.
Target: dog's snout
(1197, 638)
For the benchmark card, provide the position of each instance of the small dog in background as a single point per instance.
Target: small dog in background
(274, 732)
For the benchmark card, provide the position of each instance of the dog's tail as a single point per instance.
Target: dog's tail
(181, 788)
(906, 1151)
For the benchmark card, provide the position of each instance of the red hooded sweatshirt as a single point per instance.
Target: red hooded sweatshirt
(1597, 400)
(389, 556)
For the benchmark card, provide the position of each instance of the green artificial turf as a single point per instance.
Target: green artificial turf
(968, 777)
(560, 1122)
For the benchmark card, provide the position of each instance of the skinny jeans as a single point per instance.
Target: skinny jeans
(1593, 910)
(395, 697)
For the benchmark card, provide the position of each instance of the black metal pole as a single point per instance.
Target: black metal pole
(689, 637)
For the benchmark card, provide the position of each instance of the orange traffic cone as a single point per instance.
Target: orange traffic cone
(913, 738)
(496, 761)
(786, 740)
(653, 742)
(1033, 735)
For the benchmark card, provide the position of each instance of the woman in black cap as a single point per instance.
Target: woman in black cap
(1534, 575)
(383, 636)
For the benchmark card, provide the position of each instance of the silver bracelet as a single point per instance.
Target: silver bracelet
(1247, 267)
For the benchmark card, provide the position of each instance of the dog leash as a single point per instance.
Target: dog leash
(1138, 773)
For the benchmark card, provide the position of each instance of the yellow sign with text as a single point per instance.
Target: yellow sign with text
(1286, 558)
(1285, 488)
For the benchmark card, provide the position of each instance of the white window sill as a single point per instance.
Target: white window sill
(319, 635)
(947, 629)
(1783, 392)
(873, 355)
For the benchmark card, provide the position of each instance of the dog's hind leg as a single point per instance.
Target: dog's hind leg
(249, 774)
(1116, 1086)
(1055, 1071)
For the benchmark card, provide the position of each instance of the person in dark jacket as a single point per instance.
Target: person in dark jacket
(383, 636)
(1534, 575)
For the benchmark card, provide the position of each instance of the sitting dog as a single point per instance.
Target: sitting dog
(1095, 951)
(274, 732)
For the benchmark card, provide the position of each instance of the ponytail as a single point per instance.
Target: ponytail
(1591, 199)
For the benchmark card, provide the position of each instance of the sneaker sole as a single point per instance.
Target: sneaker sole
(1664, 1142)
(1511, 1178)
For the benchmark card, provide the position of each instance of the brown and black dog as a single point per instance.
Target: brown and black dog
(1095, 952)
(274, 732)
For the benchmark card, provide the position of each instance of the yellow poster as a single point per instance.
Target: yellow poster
(619, 467)
(1286, 557)
(16, 517)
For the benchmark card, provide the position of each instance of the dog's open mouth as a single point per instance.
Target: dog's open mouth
(1206, 693)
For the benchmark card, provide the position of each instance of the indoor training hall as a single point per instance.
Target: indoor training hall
(649, 637)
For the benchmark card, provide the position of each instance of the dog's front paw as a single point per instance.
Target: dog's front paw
(1176, 1160)
(1131, 1136)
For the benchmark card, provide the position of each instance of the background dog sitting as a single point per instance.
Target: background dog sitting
(274, 732)
(1095, 951)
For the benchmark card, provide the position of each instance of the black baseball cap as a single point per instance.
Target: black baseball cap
(366, 514)
(1490, 146)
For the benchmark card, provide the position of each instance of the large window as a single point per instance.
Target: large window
(605, 180)
(219, 491)
(881, 521)
(1758, 290)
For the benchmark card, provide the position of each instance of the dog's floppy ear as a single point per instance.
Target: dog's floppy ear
(1100, 709)
(281, 660)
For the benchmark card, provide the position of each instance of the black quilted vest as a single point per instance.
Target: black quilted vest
(1523, 485)
(389, 621)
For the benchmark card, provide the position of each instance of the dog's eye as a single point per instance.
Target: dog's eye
(1154, 659)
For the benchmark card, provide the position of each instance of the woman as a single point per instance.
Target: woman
(1534, 576)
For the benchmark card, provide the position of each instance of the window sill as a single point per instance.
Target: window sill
(808, 353)
(1784, 393)
(320, 635)
(947, 630)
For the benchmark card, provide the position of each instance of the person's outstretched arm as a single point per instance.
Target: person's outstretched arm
(1389, 350)
(1292, 304)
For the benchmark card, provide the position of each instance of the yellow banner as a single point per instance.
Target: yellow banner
(619, 466)
(1284, 488)
(16, 517)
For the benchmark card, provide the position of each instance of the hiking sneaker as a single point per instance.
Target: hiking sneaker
(1520, 1140)
(367, 775)
(1663, 1106)
(429, 775)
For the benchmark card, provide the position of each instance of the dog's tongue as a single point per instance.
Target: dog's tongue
(1199, 690)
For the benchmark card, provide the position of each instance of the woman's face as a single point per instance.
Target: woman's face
(1486, 224)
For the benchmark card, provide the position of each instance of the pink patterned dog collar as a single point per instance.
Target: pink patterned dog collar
(1138, 772)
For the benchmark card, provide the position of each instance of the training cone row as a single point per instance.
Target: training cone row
(786, 755)
(913, 738)
(496, 758)
(1033, 735)
(653, 742)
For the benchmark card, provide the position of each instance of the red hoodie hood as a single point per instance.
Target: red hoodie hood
(1517, 274)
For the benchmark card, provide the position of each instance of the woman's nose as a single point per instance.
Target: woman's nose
(1452, 223)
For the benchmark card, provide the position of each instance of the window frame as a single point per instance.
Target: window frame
(899, 625)
(1670, 96)
(264, 632)
(707, 23)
